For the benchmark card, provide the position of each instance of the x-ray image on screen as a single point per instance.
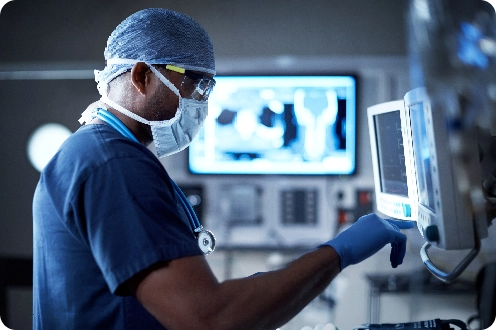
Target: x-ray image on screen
(278, 125)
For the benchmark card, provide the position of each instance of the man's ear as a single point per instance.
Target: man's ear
(139, 76)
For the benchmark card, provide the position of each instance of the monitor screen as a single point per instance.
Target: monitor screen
(422, 155)
(296, 125)
(393, 188)
(391, 156)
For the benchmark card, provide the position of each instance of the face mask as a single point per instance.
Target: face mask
(173, 135)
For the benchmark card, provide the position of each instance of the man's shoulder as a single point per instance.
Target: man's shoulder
(94, 146)
(103, 142)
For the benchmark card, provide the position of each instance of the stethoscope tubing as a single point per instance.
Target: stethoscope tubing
(116, 124)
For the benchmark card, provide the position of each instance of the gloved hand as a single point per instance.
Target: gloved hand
(367, 236)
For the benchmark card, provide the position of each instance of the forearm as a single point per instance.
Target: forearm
(271, 299)
(184, 294)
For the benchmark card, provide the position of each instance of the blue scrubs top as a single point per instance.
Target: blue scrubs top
(104, 210)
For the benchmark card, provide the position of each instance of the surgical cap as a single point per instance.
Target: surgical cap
(157, 36)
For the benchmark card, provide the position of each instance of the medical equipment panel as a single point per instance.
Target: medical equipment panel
(443, 218)
(394, 187)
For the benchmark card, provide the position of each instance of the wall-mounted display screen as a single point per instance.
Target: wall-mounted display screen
(295, 125)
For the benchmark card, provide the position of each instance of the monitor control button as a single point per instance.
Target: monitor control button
(432, 233)
(407, 210)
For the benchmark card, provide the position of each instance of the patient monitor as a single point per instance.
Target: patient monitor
(447, 216)
(451, 123)
(418, 176)
(394, 189)
(444, 218)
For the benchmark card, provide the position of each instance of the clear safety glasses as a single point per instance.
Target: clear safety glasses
(194, 85)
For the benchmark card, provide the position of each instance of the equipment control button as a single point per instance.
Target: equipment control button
(432, 233)
(407, 210)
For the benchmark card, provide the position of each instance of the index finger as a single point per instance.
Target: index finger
(402, 224)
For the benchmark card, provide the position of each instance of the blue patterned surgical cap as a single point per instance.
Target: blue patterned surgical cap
(157, 36)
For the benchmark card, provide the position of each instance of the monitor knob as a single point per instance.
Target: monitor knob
(432, 233)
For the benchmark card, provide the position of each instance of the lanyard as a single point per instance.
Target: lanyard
(206, 239)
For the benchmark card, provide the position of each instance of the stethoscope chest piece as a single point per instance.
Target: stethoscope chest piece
(206, 241)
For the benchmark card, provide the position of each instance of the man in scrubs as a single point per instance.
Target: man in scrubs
(116, 247)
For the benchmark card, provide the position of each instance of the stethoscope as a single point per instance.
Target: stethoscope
(206, 239)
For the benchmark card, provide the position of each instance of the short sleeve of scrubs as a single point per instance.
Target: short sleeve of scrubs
(133, 218)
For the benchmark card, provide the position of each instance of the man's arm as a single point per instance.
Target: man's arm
(184, 294)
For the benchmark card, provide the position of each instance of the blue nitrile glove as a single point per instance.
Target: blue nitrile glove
(367, 236)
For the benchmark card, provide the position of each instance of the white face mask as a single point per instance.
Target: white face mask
(173, 135)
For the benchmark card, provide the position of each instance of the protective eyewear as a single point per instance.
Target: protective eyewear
(194, 85)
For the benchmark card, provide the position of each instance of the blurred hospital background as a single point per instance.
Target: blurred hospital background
(48, 51)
